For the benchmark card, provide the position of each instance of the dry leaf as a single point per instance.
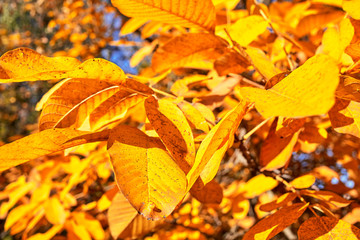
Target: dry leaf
(330, 199)
(212, 192)
(282, 201)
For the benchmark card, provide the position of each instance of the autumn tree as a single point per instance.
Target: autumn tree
(245, 125)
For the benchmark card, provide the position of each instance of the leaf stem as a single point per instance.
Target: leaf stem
(246, 136)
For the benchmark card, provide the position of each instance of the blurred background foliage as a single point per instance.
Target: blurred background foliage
(76, 28)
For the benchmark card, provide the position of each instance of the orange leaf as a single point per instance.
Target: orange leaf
(275, 223)
(215, 139)
(173, 129)
(146, 174)
(212, 192)
(308, 90)
(43, 143)
(139, 227)
(323, 228)
(26, 67)
(276, 151)
(185, 13)
(345, 117)
(280, 202)
(54, 211)
(188, 48)
(330, 199)
(22, 63)
(120, 214)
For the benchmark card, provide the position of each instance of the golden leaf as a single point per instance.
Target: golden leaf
(352, 7)
(146, 174)
(173, 129)
(183, 50)
(282, 201)
(120, 214)
(308, 90)
(215, 139)
(190, 13)
(329, 199)
(54, 211)
(43, 143)
(324, 228)
(275, 223)
(21, 63)
(304, 181)
(345, 117)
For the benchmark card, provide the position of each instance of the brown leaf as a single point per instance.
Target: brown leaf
(275, 223)
(230, 62)
(330, 199)
(212, 192)
(323, 228)
(146, 174)
(282, 201)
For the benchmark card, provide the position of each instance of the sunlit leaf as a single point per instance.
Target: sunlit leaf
(21, 63)
(183, 50)
(258, 185)
(352, 7)
(304, 181)
(120, 214)
(246, 30)
(324, 228)
(43, 143)
(146, 174)
(173, 129)
(194, 116)
(47, 235)
(91, 224)
(308, 90)
(345, 117)
(275, 223)
(185, 13)
(54, 211)
(132, 25)
(262, 63)
(214, 140)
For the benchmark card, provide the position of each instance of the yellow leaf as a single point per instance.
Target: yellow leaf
(262, 63)
(96, 68)
(146, 174)
(275, 223)
(48, 235)
(258, 185)
(24, 62)
(308, 90)
(173, 129)
(345, 117)
(91, 224)
(181, 86)
(183, 50)
(304, 181)
(114, 108)
(54, 211)
(140, 54)
(17, 214)
(324, 228)
(132, 25)
(352, 7)
(194, 116)
(191, 13)
(43, 143)
(120, 214)
(76, 231)
(246, 30)
(215, 139)
(139, 227)
(76, 116)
